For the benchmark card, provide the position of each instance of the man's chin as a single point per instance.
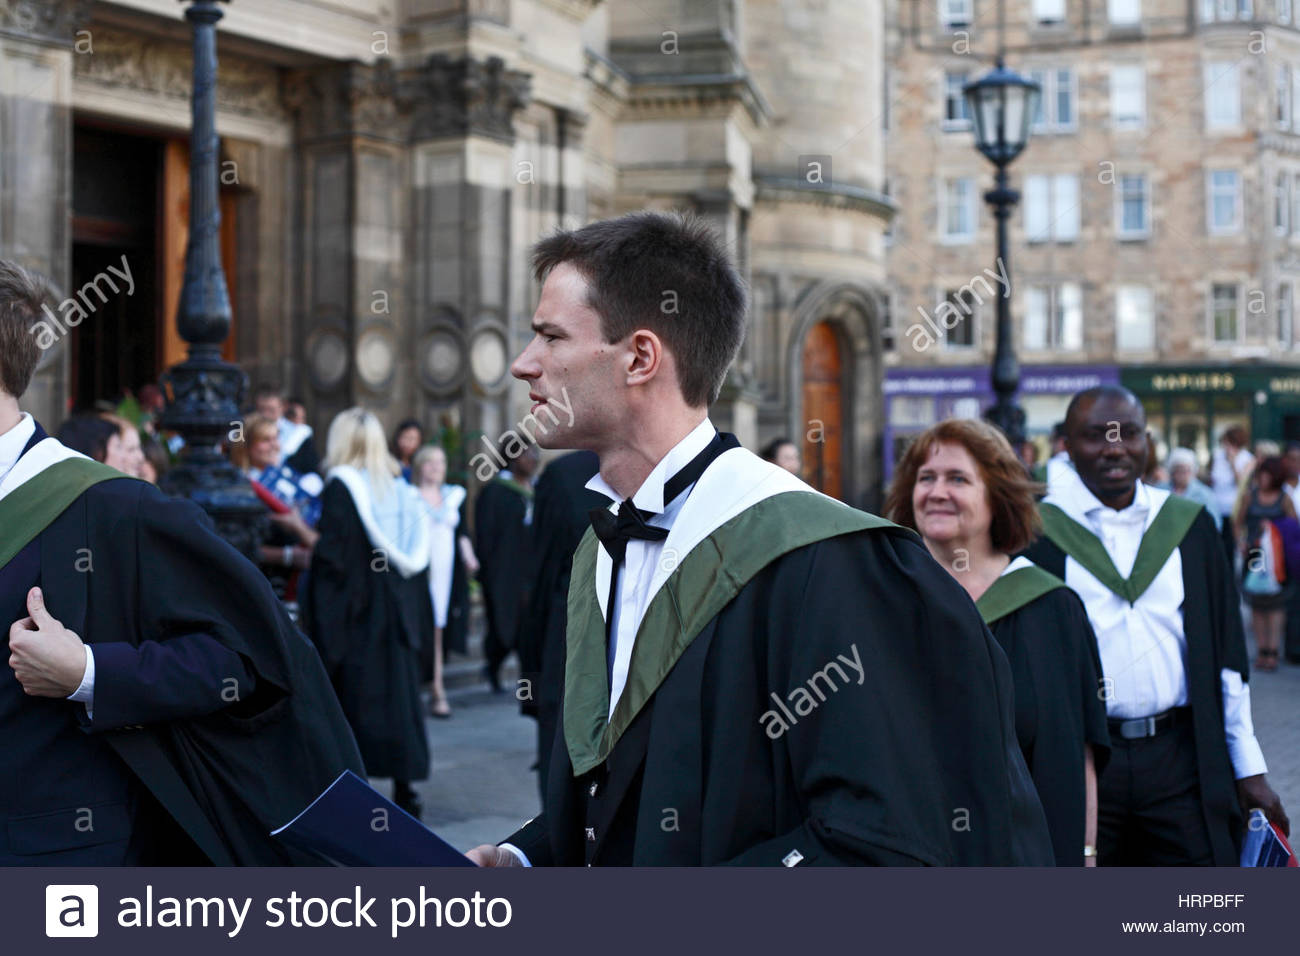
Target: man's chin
(1114, 487)
(555, 440)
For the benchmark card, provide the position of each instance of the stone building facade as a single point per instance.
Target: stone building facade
(386, 165)
(1156, 238)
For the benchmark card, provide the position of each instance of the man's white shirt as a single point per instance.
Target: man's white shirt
(13, 442)
(642, 558)
(1143, 647)
(736, 475)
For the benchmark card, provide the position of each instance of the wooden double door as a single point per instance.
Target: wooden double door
(130, 210)
(823, 410)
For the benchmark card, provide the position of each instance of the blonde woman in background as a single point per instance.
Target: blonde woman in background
(366, 597)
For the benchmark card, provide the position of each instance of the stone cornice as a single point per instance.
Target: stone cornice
(125, 61)
(576, 9)
(462, 97)
(605, 75)
(702, 90)
(1285, 143)
(345, 99)
(791, 189)
(51, 21)
(440, 98)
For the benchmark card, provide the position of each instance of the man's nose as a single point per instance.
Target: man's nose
(523, 366)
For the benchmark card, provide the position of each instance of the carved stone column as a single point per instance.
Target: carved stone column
(36, 56)
(352, 316)
(463, 178)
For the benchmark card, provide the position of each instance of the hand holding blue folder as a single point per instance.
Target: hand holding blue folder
(1263, 845)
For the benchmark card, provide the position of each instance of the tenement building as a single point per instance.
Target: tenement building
(1157, 240)
(386, 164)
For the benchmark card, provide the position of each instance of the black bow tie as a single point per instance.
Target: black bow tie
(616, 530)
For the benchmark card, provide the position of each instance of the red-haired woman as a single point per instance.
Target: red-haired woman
(963, 489)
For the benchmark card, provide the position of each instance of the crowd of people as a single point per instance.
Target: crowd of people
(1060, 657)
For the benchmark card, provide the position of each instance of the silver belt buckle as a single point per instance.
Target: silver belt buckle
(1138, 728)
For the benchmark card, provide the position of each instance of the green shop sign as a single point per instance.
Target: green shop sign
(1163, 380)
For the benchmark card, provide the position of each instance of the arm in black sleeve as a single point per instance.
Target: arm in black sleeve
(1092, 686)
(187, 657)
(909, 761)
(1225, 602)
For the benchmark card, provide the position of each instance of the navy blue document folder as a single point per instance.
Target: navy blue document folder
(353, 824)
(1264, 845)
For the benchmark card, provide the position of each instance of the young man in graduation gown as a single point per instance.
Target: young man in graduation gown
(1149, 567)
(755, 674)
(503, 515)
(157, 706)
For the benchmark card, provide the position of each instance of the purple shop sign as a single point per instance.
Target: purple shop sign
(957, 381)
(1034, 380)
(967, 391)
(1065, 379)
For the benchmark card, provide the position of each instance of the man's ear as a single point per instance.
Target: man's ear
(647, 355)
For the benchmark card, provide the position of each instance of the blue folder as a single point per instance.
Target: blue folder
(353, 824)
(1263, 846)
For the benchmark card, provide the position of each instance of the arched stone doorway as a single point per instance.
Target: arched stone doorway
(835, 408)
(823, 410)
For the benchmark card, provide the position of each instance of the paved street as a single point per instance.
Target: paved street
(1275, 703)
(481, 789)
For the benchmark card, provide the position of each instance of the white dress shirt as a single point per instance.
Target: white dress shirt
(14, 441)
(632, 594)
(12, 444)
(1143, 647)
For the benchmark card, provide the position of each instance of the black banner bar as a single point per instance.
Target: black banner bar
(677, 912)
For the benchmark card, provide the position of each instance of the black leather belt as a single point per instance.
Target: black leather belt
(1141, 727)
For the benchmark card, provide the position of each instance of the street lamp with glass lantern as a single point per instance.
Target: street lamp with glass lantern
(1002, 103)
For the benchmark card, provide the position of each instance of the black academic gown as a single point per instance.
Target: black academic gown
(918, 767)
(560, 519)
(305, 459)
(1059, 704)
(1215, 640)
(455, 636)
(208, 702)
(366, 620)
(501, 542)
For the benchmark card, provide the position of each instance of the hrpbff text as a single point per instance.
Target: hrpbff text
(343, 912)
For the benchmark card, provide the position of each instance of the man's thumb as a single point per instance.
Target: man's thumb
(36, 608)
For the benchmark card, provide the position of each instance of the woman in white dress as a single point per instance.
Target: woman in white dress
(449, 547)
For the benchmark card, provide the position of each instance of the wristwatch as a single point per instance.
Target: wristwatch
(1089, 850)
(288, 556)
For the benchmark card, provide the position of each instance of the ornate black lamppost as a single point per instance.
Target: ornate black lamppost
(205, 392)
(1002, 104)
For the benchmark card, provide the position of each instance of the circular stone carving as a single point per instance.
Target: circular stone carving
(375, 357)
(443, 360)
(328, 359)
(487, 357)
